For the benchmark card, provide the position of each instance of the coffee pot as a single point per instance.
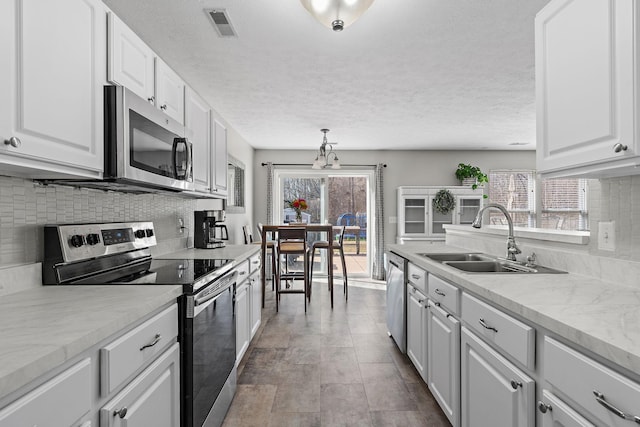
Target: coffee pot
(209, 233)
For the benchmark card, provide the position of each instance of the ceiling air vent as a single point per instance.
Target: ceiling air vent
(221, 22)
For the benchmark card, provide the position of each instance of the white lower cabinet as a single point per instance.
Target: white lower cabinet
(494, 391)
(242, 313)
(256, 302)
(417, 329)
(65, 400)
(555, 413)
(151, 399)
(443, 360)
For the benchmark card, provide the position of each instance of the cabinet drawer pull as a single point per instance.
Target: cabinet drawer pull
(515, 384)
(601, 400)
(242, 273)
(152, 343)
(13, 141)
(543, 407)
(484, 325)
(619, 147)
(439, 292)
(415, 276)
(121, 412)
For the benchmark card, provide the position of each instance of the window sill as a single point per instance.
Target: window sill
(543, 234)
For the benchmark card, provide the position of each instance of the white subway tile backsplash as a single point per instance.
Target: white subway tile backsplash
(25, 207)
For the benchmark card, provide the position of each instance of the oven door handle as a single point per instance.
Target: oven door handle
(204, 302)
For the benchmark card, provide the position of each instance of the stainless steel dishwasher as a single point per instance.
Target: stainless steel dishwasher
(396, 270)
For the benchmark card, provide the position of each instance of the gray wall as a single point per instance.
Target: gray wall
(403, 168)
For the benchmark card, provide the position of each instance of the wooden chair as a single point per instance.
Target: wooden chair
(292, 241)
(335, 245)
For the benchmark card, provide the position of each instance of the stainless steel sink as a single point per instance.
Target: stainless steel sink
(499, 266)
(458, 257)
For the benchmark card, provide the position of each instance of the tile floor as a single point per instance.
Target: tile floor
(329, 367)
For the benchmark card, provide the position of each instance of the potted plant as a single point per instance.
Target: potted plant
(471, 174)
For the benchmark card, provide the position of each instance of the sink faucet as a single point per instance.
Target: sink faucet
(512, 248)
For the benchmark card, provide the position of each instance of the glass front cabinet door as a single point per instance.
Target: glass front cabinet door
(419, 221)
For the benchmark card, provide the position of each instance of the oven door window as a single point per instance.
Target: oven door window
(214, 353)
(153, 148)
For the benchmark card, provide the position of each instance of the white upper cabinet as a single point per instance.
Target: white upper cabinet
(134, 65)
(198, 131)
(220, 159)
(169, 91)
(51, 86)
(586, 88)
(131, 61)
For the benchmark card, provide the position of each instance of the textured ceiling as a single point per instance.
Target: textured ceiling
(409, 74)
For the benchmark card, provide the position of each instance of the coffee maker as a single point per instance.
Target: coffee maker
(209, 233)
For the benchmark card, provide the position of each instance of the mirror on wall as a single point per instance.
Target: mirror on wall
(235, 183)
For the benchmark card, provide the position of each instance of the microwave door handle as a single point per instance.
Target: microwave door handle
(174, 152)
(188, 173)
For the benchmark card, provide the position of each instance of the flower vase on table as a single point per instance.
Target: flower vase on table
(298, 205)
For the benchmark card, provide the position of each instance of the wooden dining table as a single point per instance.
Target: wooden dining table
(327, 229)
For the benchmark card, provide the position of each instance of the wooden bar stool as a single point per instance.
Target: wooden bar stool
(335, 245)
(292, 241)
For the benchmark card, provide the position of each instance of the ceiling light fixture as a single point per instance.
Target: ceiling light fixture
(322, 159)
(336, 14)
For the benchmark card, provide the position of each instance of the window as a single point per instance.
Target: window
(514, 190)
(562, 204)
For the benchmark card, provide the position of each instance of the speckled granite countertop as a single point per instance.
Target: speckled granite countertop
(600, 316)
(43, 327)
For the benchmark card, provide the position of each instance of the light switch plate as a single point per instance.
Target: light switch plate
(607, 235)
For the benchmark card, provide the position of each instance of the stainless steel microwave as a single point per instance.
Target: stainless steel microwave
(142, 145)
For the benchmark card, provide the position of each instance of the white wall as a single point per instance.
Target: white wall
(403, 168)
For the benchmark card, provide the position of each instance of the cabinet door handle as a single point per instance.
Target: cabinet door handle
(242, 273)
(619, 147)
(439, 292)
(122, 412)
(543, 407)
(14, 141)
(151, 99)
(152, 343)
(484, 325)
(163, 107)
(515, 384)
(601, 400)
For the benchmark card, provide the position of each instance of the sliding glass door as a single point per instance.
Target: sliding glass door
(334, 197)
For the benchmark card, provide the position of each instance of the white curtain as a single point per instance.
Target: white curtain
(378, 251)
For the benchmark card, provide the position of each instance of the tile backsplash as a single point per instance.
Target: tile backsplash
(26, 206)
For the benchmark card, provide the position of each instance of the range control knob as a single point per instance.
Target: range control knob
(140, 234)
(149, 232)
(76, 240)
(93, 239)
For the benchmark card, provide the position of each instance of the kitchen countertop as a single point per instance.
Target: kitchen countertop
(599, 316)
(42, 328)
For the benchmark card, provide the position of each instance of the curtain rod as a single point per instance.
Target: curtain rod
(308, 164)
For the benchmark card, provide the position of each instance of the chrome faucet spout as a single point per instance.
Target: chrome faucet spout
(512, 248)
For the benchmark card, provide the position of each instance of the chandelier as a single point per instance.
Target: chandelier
(336, 14)
(323, 157)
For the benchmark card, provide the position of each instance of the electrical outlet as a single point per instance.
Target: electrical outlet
(607, 236)
(180, 225)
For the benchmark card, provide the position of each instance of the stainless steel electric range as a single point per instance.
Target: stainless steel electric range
(119, 254)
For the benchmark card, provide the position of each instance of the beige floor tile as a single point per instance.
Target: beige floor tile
(300, 397)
